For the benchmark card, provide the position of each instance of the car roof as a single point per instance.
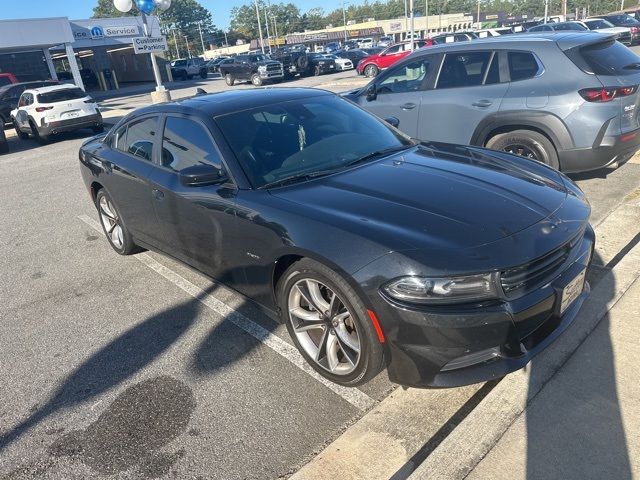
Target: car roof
(564, 39)
(51, 88)
(230, 101)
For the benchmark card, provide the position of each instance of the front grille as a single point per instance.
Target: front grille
(273, 67)
(526, 277)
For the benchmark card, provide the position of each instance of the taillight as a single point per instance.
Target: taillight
(606, 94)
(634, 30)
(42, 109)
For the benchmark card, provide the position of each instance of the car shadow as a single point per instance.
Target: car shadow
(574, 427)
(114, 363)
(600, 173)
(17, 145)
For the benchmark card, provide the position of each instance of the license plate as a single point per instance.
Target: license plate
(71, 115)
(572, 291)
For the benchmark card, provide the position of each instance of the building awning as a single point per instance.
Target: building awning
(334, 35)
(34, 33)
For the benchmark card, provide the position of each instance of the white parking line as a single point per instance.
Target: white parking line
(354, 396)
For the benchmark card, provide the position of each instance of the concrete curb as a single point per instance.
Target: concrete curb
(470, 442)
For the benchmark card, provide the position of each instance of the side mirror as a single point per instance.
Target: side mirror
(393, 121)
(371, 92)
(201, 175)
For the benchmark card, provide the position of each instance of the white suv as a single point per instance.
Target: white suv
(46, 111)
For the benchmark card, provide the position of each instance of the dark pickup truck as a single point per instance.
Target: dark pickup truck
(255, 68)
(294, 59)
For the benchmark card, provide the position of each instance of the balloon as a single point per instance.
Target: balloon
(123, 5)
(145, 6)
(163, 4)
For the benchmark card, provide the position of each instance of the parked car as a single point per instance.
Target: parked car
(447, 265)
(319, 64)
(214, 64)
(46, 111)
(372, 65)
(187, 68)
(4, 145)
(341, 63)
(10, 95)
(452, 37)
(559, 27)
(350, 45)
(494, 32)
(354, 55)
(626, 21)
(416, 36)
(599, 25)
(366, 43)
(294, 59)
(566, 100)
(385, 41)
(332, 47)
(255, 68)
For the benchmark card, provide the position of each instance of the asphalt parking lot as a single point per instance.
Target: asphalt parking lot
(139, 367)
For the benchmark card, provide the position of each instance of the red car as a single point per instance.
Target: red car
(7, 79)
(371, 66)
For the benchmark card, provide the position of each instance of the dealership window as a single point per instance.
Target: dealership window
(186, 143)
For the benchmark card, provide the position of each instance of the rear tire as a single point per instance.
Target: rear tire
(113, 226)
(4, 145)
(41, 139)
(526, 143)
(203, 74)
(322, 346)
(371, 71)
(230, 79)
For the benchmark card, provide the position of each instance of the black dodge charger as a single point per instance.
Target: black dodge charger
(447, 265)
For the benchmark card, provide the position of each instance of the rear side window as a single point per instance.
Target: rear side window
(610, 58)
(463, 69)
(522, 65)
(140, 138)
(61, 95)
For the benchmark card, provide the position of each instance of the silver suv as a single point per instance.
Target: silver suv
(569, 100)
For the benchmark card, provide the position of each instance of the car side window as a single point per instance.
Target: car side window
(186, 143)
(464, 69)
(522, 65)
(119, 139)
(394, 49)
(408, 78)
(140, 138)
(23, 100)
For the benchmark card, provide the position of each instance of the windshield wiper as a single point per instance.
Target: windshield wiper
(379, 154)
(296, 178)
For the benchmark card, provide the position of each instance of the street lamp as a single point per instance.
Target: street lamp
(186, 40)
(147, 7)
(344, 20)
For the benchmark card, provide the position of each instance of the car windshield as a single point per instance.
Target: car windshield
(598, 24)
(307, 137)
(623, 20)
(258, 58)
(61, 95)
(180, 63)
(568, 26)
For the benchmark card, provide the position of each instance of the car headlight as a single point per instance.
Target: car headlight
(262, 68)
(440, 290)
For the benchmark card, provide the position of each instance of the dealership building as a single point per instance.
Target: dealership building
(95, 54)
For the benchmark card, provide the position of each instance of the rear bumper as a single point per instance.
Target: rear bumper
(612, 150)
(59, 126)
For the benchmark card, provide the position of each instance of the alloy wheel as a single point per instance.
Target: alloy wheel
(324, 326)
(521, 150)
(111, 222)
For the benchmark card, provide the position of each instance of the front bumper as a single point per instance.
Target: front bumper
(611, 150)
(450, 346)
(271, 75)
(72, 124)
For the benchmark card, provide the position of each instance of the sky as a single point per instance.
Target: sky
(80, 9)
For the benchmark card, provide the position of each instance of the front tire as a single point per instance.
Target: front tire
(256, 80)
(113, 226)
(316, 71)
(230, 79)
(203, 74)
(371, 71)
(21, 135)
(528, 144)
(328, 324)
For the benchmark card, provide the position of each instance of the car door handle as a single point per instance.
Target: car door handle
(158, 194)
(482, 103)
(408, 106)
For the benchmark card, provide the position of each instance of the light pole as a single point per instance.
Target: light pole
(175, 41)
(266, 22)
(344, 20)
(201, 40)
(426, 9)
(147, 7)
(412, 25)
(259, 26)
(478, 17)
(186, 40)
(546, 10)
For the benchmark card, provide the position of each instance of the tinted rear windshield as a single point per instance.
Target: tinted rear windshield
(61, 95)
(610, 58)
(623, 20)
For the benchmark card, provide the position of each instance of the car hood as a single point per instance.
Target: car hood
(440, 197)
(268, 62)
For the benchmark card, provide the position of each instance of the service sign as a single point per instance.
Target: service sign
(150, 44)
